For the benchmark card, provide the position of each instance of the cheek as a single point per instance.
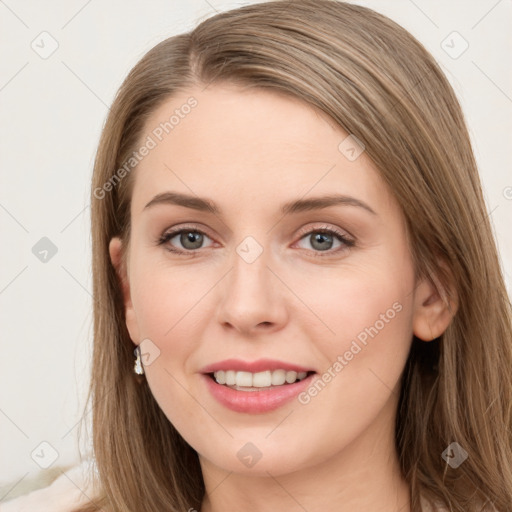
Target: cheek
(372, 310)
(165, 299)
(363, 335)
(171, 310)
(369, 310)
(357, 303)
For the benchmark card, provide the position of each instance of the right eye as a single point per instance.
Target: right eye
(190, 240)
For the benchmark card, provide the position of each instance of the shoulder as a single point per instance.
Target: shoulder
(73, 488)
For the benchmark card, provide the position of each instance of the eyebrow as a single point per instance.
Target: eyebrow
(299, 205)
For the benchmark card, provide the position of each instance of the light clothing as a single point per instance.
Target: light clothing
(72, 488)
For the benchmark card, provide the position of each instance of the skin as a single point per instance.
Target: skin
(250, 152)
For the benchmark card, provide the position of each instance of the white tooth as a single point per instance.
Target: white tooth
(278, 377)
(291, 377)
(262, 379)
(230, 377)
(220, 376)
(244, 379)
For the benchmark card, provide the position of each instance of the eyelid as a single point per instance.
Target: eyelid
(184, 227)
(325, 227)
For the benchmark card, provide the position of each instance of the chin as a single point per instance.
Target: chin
(259, 459)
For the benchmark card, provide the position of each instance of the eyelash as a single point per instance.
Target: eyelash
(347, 242)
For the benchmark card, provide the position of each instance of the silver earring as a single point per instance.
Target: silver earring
(138, 369)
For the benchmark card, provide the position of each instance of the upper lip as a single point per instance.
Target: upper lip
(259, 365)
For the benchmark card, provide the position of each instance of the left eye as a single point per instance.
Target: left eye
(325, 240)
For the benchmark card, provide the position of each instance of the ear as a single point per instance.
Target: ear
(433, 309)
(115, 249)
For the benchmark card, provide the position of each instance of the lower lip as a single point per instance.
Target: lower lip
(255, 402)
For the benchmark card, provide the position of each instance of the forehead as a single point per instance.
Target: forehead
(252, 145)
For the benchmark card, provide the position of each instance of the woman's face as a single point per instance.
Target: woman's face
(265, 245)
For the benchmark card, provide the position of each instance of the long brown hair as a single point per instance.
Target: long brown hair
(378, 83)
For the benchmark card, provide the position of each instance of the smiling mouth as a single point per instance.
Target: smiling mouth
(260, 381)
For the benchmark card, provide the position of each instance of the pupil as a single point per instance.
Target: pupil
(321, 239)
(191, 237)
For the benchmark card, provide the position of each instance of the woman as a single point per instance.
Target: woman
(289, 229)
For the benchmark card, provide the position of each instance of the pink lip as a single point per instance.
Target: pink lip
(255, 402)
(253, 366)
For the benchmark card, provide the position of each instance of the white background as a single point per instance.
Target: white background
(52, 111)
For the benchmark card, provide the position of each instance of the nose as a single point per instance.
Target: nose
(252, 299)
